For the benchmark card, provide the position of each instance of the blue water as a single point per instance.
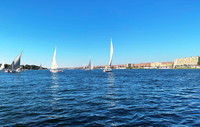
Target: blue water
(93, 98)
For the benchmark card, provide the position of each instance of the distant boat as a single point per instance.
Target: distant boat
(84, 67)
(14, 67)
(54, 66)
(111, 55)
(2, 67)
(89, 67)
(175, 62)
(40, 67)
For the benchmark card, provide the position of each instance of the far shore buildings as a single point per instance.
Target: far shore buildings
(142, 65)
(162, 64)
(187, 62)
(150, 65)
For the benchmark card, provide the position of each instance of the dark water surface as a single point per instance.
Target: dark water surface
(93, 98)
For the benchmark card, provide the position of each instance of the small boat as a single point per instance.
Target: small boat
(89, 67)
(19, 69)
(54, 66)
(84, 67)
(108, 69)
(10, 71)
(40, 67)
(14, 67)
(175, 62)
(2, 67)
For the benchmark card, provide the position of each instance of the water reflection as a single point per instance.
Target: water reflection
(111, 96)
(55, 95)
(55, 79)
(54, 87)
(111, 89)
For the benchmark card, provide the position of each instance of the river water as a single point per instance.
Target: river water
(94, 98)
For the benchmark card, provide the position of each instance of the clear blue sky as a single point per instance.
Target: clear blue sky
(142, 30)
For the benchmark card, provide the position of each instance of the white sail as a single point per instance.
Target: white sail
(175, 62)
(2, 66)
(90, 65)
(16, 62)
(40, 66)
(111, 53)
(54, 65)
(111, 56)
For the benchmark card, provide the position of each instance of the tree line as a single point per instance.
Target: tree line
(28, 67)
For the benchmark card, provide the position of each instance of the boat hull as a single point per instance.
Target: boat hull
(107, 70)
(56, 70)
(10, 71)
(88, 69)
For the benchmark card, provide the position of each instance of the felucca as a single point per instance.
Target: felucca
(89, 67)
(14, 67)
(54, 66)
(2, 67)
(111, 55)
(40, 67)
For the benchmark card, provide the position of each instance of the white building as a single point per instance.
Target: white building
(187, 61)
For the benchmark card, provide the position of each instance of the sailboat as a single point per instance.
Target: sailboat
(175, 62)
(111, 55)
(84, 67)
(14, 67)
(2, 66)
(54, 66)
(40, 67)
(89, 67)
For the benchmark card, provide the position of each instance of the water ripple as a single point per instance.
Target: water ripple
(93, 98)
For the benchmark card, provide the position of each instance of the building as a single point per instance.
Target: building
(99, 67)
(129, 65)
(142, 65)
(187, 62)
(156, 64)
(167, 64)
(162, 64)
